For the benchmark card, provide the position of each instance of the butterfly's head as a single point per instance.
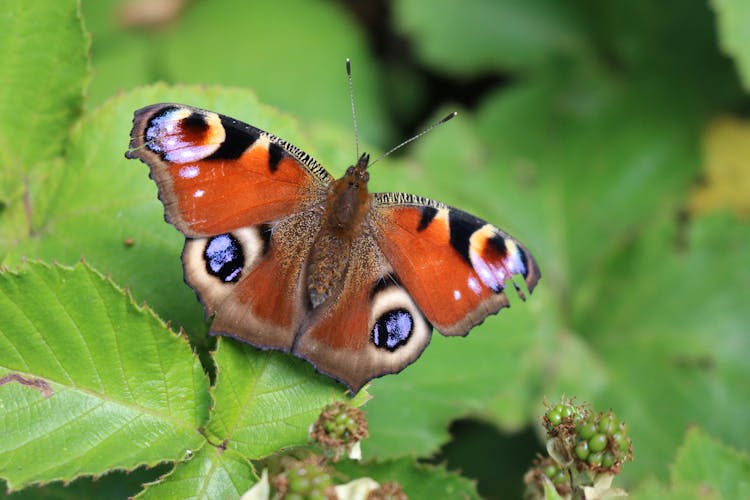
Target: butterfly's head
(348, 200)
(357, 176)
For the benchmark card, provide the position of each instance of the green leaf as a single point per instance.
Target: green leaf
(417, 480)
(703, 468)
(486, 35)
(266, 400)
(211, 473)
(680, 342)
(585, 150)
(275, 49)
(88, 374)
(114, 484)
(733, 19)
(703, 461)
(44, 50)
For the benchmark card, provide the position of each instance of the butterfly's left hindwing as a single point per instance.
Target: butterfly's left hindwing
(251, 280)
(455, 265)
(372, 329)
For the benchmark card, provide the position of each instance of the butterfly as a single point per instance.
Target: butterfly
(285, 257)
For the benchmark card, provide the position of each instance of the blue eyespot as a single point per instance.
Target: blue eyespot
(393, 329)
(224, 258)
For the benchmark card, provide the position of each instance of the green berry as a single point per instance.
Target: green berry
(582, 450)
(567, 411)
(550, 471)
(298, 483)
(308, 481)
(587, 429)
(560, 478)
(621, 442)
(608, 460)
(597, 442)
(608, 423)
(595, 459)
(554, 418)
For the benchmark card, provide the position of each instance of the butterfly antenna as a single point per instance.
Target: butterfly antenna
(351, 98)
(439, 122)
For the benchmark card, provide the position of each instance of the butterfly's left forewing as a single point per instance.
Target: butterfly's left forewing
(216, 174)
(455, 265)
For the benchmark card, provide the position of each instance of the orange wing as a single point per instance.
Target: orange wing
(216, 174)
(251, 282)
(371, 329)
(455, 266)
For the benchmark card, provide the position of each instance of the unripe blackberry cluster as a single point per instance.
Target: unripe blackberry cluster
(304, 479)
(583, 446)
(603, 444)
(339, 428)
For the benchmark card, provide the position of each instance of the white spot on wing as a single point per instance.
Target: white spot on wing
(189, 171)
(198, 193)
(474, 285)
(514, 262)
(456, 295)
(184, 152)
(487, 272)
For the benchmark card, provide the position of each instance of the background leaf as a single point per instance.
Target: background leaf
(244, 44)
(703, 468)
(417, 481)
(464, 37)
(44, 52)
(87, 373)
(682, 350)
(703, 461)
(733, 18)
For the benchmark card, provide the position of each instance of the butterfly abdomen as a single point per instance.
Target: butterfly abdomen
(326, 266)
(346, 207)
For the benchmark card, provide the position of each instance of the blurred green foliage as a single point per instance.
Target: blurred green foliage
(610, 137)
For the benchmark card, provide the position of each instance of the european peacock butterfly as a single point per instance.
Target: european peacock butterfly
(285, 257)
